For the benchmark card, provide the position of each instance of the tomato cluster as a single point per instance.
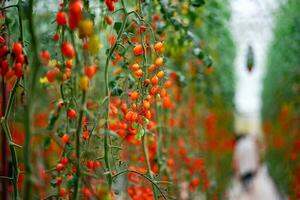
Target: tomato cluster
(12, 62)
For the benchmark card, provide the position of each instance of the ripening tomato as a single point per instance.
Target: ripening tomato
(151, 68)
(108, 19)
(61, 18)
(65, 138)
(59, 167)
(170, 162)
(133, 106)
(135, 67)
(146, 105)
(64, 161)
(86, 192)
(167, 103)
(3, 51)
(148, 114)
(68, 50)
(2, 40)
(75, 13)
(68, 74)
(117, 71)
(163, 92)
(154, 90)
(45, 56)
(51, 74)
(147, 81)
(97, 164)
(76, 8)
(110, 5)
(159, 61)
(90, 71)
(55, 37)
(143, 28)
(94, 44)
(86, 27)
(138, 50)
(59, 180)
(90, 164)
(154, 80)
(160, 74)
(138, 73)
(4, 67)
(85, 135)
(17, 48)
(158, 46)
(20, 58)
(168, 84)
(18, 69)
(62, 192)
(72, 114)
(69, 63)
(134, 116)
(134, 95)
(84, 83)
(128, 115)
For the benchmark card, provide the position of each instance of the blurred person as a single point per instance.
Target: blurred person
(246, 159)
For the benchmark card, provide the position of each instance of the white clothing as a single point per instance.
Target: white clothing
(246, 156)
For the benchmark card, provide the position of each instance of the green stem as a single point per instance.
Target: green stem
(77, 135)
(4, 120)
(144, 176)
(5, 125)
(19, 7)
(106, 79)
(10, 6)
(159, 135)
(149, 171)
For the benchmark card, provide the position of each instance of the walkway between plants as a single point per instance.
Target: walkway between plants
(252, 23)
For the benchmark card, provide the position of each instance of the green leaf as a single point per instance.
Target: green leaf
(47, 142)
(198, 3)
(112, 84)
(134, 125)
(117, 26)
(198, 53)
(116, 91)
(53, 182)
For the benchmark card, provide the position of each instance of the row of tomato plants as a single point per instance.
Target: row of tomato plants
(93, 127)
(280, 109)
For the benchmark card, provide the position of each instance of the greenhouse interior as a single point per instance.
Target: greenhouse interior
(150, 99)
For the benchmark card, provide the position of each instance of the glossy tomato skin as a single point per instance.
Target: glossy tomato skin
(138, 49)
(72, 114)
(61, 18)
(75, 14)
(66, 138)
(68, 50)
(17, 48)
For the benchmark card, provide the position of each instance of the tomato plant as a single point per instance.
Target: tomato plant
(280, 108)
(112, 98)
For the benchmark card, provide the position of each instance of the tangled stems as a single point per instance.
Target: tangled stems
(107, 95)
(78, 131)
(5, 125)
(4, 120)
(144, 176)
(145, 150)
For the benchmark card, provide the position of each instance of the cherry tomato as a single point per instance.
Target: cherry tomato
(61, 18)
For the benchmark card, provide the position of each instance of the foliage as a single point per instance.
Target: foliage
(280, 109)
(117, 98)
